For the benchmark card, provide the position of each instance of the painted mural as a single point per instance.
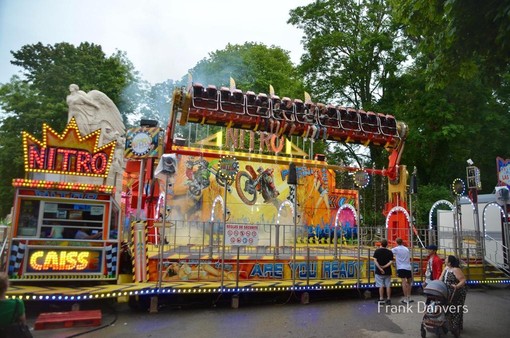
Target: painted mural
(258, 194)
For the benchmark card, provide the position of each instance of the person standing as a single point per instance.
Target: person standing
(383, 257)
(404, 270)
(455, 280)
(434, 265)
(11, 310)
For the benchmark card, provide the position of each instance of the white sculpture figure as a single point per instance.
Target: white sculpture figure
(92, 111)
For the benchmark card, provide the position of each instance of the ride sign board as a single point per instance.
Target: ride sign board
(68, 153)
(242, 234)
(503, 168)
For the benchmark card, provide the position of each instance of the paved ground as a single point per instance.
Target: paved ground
(345, 314)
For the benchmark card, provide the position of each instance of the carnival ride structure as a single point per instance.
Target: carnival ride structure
(249, 179)
(233, 206)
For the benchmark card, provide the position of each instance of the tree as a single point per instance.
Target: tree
(253, 66)
(461, 38)
(157, 100)
(455, 96)
(350, 49)
(40, 97)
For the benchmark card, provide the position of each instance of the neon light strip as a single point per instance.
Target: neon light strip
(40, 184)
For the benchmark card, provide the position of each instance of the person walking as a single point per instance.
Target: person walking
(404, 270)
(434, 265)
(455, 280)
(383, 257)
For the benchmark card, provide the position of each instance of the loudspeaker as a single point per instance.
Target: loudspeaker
(169, 164)
(292, 178)
(148, 123)
(414, 184)
(179, 141)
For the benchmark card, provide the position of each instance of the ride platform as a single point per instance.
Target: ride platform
(338, 277)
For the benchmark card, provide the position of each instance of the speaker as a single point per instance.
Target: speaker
(292, 178)
(169, 164)
(148, 123)
(414, 184)
(502, 195)
(179, 141)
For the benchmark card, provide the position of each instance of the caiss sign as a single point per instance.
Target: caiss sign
(64, 260)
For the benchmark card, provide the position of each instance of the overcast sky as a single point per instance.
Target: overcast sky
(163, 38)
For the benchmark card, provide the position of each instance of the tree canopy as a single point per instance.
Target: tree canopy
(440, 66)
(40, 97)
(351, 47)
(460, 38)
(455, 96)
(253, 66)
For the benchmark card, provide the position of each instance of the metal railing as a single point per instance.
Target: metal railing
(4, 239)
(496, 253)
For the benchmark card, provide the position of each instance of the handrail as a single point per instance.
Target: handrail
(499, 246)
(4, 230)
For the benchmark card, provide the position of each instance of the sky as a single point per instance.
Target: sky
(162, 38)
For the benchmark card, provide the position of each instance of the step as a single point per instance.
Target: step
(53, 320)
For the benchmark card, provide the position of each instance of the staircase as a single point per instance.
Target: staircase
(496, 259)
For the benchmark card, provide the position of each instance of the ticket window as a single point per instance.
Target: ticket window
(65, 220)
(28, 218)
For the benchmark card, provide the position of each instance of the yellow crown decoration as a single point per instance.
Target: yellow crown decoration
(68, 153)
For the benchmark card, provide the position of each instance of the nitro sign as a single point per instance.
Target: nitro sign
(69, 153)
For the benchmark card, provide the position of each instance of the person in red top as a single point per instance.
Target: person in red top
(434, 265)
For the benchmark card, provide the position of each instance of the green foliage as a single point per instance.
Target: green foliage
(350, 48)
(40, 97)
(448, 125)
(156, 101)
(253, 66)
(459, 38)
(426, 197)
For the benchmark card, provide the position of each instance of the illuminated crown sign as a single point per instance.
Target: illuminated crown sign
(69, 153)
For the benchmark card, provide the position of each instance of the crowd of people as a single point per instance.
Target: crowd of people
(451, 274)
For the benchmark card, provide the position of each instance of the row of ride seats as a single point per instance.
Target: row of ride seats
(236, 102)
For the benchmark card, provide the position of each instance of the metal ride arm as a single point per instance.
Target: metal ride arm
(234, 109)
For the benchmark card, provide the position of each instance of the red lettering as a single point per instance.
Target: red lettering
(99, 163)
(36, 157)
(66, 159)
(70, 160)
(83, 160)
(51, 158)
(281, 142)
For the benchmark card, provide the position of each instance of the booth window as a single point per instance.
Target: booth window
(28, 218)
(114, 222)
(65, 220)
